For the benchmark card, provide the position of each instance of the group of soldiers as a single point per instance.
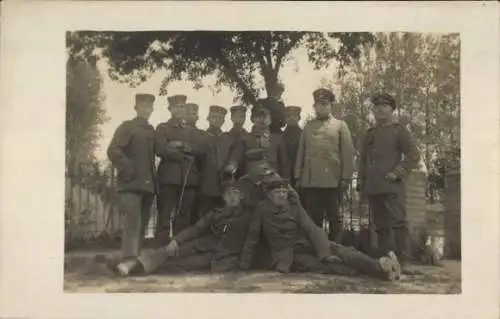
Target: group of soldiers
(224, 198)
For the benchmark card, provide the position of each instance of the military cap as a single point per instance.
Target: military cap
(217, 109)
(383, 98)
(144, 98)
(260, 110)
(238, 108)
(193, 106)
(323, 95)
(176, 100)
(276, 182)
(293, 110)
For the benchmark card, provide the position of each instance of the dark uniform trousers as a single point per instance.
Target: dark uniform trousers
(168, 204)
(297, 244)
(136, 210)
(319, 202)
(389, 214)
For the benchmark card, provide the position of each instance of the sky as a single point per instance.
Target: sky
(297, 74)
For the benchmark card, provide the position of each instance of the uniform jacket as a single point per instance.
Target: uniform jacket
(175, 162)
(291, 136)
(256, 147)
(325, 154)
(132, 152)
(221, 232)
(215, 156)
(386, 148)
(285, 229)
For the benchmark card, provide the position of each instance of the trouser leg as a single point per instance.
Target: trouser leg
(357, 260)
(168, 197)
(130, 203)
(331, 200)
(397, 212)
(183, 218)
(310, 263)
(314, 205)
(383, 226)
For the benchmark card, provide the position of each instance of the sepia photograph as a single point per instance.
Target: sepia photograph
(262, 161)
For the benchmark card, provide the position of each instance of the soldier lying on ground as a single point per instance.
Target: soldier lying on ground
(297, 244)
(214, 243)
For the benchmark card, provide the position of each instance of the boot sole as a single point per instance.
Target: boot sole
(396, 265)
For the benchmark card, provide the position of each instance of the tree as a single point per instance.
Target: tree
(84, 110)
(238, 60)
(423, 73)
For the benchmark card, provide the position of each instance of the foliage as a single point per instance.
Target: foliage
(239, 60)
(423, 73)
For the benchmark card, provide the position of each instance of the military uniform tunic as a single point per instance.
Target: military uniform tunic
(256, 147)
(131, 151)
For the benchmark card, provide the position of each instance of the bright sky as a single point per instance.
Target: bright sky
(298, 75)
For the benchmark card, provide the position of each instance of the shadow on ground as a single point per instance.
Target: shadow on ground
(85, 275)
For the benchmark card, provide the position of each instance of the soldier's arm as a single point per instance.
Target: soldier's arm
(251, 241)
(317, 237)
(299, 161)
(348, 151)
(408, 148)
(198, 229)
(119, 141)
(283, 160)
(163, 148)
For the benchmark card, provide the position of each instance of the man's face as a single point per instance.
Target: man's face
(292, 119)
(232, 197)
(238, 119)
(322, 109)
(262, 120)
(279, 196)
(178, 112)
(382, 112)
(216, 119)
(191, 116)
(144, 110)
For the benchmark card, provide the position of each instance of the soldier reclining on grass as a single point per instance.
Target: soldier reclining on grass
(214, 243)
(297, 244)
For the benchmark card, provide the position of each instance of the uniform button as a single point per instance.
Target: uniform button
(147, 182)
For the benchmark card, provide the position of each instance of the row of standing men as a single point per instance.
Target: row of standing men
(319, 161)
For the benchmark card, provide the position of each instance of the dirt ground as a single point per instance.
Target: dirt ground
(85, 275)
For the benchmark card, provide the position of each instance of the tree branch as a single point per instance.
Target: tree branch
(282, 52)
(230, 71)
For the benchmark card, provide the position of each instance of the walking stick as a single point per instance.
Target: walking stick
(176, 210)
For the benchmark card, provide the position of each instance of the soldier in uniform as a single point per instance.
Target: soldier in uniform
(211, 188)
(297, 244)
(291, 136)
(179, 148)
(388, 154)
(260, 145)
(132, 152)
(325, 162)
(213, 243)
(191, 114)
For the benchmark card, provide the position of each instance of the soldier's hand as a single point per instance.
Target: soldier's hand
(176, 144)
(172, 249)
(391, 177)
(344, 185)
(230, 169)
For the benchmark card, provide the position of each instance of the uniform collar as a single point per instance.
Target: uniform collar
(292, 128)
(214, 131)
(141, 121)
(176, 122)
(260, 131)
(388, 123)
(237, 130)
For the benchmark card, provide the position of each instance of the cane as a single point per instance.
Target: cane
(176, 211)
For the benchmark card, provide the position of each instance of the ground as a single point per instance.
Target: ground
(84, 274)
